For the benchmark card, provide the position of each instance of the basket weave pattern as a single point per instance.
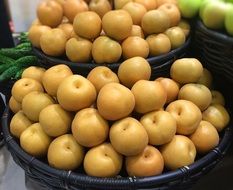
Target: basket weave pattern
(215, 49)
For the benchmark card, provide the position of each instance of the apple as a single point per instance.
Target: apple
(202, 7)
(106, 50)
(54, 120)
(158, 44)
(137, 31)
(54, 76)
(186, 114)
(189, 8)
(34, 73)
(171, 87)
(185, 26)
(34, 102)
(35, 141)
(132, 70)
(87, 24)
(136, 11)
(217, 115)
(80, 45)
(148, 4)
(14, 105)
(103, 161)
(217, 98)
(76, 92)
(73, 7)
(89, 128)
(176, 36)
(219, 10)
(229, 20)
(153, 97)
(173, 12)
(206, 78)
(148, 163)
(199, 94)
(161, 2)
(24, 86)
(100, 76)
(35, 33)
(135, 46)
(35, 22)
(117, 24)
(205, 138)
(101, 7)
(119, 4)
(65, 153)
(115, 101)
(67, 29)
(19, 123)
(56, 37)
(178, 153)
(50, 13)
(128, 136)
(180, 70)
(160, 127)
(150, 25)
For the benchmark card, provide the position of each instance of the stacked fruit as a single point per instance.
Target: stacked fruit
(100, 120)
(215, 14)
(106, 32)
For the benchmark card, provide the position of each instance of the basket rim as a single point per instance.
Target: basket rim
(214, 33)
(78, 178)
(156, 60)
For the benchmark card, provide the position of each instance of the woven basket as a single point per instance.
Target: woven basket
(159, 64)
(5, 88)
(180, 179)
(2, 107)
(54, 179)
(215, 49)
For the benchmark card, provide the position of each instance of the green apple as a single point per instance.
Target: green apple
(213, 15)
(189, 8)
(203, 5)
(229, 20)
(230, 1)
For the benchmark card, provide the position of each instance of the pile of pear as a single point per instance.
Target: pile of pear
(109, 122)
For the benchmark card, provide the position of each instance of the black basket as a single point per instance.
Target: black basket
(215, 49)
(2, 108)
(180, 179)
(160, 65)
(5, 88)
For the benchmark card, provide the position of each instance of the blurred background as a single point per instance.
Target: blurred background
(22, 13)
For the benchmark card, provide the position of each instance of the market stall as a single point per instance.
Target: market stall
(120, 95)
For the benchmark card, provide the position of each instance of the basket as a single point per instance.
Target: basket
(215, 49)
(5, 88)
(180, 179)
(159, 64)
(2, 107)
(51, 178)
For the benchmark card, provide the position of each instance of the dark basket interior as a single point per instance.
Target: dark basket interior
(5, 88)
(180, 179)
(215, 49)
(160, 65)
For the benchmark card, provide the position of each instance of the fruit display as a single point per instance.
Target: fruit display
(105, 32)
(113, 122)
(221, 9)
